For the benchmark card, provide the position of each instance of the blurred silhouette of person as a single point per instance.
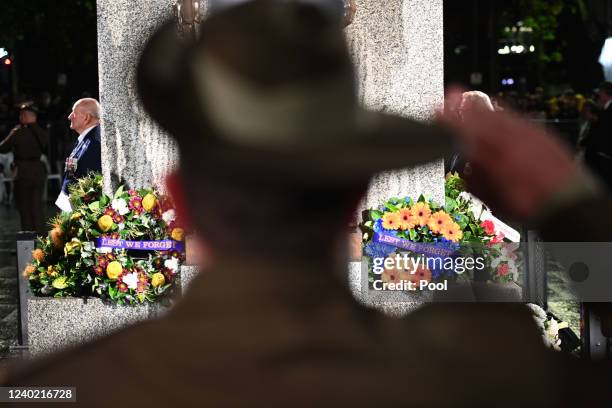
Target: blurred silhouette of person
(275, 153)
(86, 156)
(472, 104)
(28, 143)
(588, 117)
(598, 148)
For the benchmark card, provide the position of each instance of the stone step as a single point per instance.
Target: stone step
(6, 310)
(9, 272)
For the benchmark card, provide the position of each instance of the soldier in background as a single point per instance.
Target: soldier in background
(28, 142)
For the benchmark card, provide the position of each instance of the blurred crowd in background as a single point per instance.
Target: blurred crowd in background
(53, 111)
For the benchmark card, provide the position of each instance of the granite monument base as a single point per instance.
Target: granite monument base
(56, 324)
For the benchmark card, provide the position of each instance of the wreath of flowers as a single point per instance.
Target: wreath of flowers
(453, 226)
(69, 263)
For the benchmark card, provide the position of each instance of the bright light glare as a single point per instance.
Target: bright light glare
(605, 59)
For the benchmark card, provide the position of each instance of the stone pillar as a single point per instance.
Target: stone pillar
(399, 52)
(135, 150)
(398, 49)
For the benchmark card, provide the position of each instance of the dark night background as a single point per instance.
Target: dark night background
(50, 39)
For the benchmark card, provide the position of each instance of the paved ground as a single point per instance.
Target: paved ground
(9, 225)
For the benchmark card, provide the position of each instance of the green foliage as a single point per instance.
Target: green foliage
(68, 263)
(542, 16)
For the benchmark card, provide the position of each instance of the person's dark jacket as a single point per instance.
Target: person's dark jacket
(86, 157)
(28, 143)
(598, 150)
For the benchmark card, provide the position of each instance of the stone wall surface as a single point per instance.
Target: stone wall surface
(134, 149)
(398, 49)
(56, 324)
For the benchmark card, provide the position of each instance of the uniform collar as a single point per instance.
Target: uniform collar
(85, 132)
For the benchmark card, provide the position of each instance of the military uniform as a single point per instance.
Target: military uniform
(28, 143)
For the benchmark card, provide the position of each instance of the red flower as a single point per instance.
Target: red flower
(502, 270)
(132, 192)
(498, 238)
(117, 219)
(158, 263)
(109, 211)
(489, 227)
(168, 274)
(102, 261)
(136, 204)
(99, 270)
(122, 287)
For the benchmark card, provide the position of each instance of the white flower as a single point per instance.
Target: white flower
(131, 280)
(537, 311)
(121, 206)
(172, 264)
(121, 226)
(169, 216)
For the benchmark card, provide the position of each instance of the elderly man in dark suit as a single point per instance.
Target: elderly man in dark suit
(275, 153)
(86, 155)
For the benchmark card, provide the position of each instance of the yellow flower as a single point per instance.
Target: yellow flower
(51, 271)
(38, 255)
(407, 220)
(452, 232)
(178, 234)
(438, 220)
(30, 269)
(60, 283)
(391, 221)
(75, 217)
(148, 202)
(105, 223)
(72, 247)
(421, 213)
(158, 279)
(114, 270)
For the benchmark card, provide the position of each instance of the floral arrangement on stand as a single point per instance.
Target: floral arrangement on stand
(452, 225)
(126, 248)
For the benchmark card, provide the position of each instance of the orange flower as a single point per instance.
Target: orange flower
(57, 236)
(391, 276)
(420, 274)
(452, 232)
(438, 220)
(406, 219)
(391, 221)
(421, 213)
(30, 269)
(38, 255)
(178, 234)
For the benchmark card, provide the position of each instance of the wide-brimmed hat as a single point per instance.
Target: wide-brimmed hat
(28, 107)
(271, 85)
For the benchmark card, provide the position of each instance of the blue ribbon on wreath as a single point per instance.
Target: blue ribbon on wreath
(159, 245)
